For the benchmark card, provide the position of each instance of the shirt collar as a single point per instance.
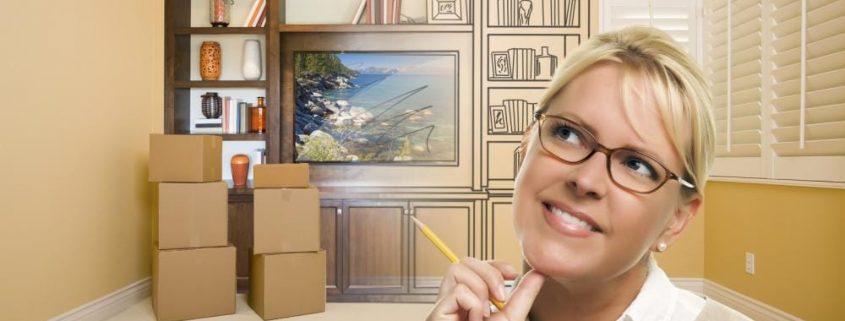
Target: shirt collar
(656, 300)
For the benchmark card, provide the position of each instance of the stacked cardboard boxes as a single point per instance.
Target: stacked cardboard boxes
(193, 264)
(288, 268)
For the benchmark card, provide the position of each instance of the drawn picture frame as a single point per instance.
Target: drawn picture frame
(498, 120)
(446, 11)
(500, 64)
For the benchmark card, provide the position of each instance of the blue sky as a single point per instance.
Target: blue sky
(433, 63)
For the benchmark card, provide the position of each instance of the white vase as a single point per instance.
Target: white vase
(252, 60)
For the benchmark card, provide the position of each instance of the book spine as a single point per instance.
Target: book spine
(357, 18)
(244, 116)
(262, 15)
(233, 111)
(250, 16)
(225, 116)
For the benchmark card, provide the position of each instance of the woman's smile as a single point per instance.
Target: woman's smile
(569, 222)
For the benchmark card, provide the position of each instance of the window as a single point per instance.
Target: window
(677, 18)
(777, 70)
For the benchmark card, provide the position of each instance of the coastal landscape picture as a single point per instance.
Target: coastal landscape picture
(375, 107)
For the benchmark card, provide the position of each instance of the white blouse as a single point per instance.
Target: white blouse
(660, 300)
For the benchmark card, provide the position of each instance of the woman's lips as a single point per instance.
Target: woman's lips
(568, 222)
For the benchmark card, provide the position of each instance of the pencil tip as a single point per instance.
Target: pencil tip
(417, 222)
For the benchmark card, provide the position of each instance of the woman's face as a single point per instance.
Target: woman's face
(553, 200)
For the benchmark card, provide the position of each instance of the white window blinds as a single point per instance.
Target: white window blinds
(677, 18)
(809, 114)
(734, 67)
(777, 68)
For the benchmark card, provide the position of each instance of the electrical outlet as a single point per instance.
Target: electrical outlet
(749, 263)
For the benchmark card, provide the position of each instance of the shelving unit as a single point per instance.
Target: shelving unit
(181, 88)
(396, 267)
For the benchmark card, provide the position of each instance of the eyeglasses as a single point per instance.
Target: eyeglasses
(629, 169)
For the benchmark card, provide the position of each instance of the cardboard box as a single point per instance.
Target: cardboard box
(193, 283)
(288, 284)
(286, 220)
(192, 215)
(280, 176)
(185, 158)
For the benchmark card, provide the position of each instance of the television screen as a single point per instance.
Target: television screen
(376, 107)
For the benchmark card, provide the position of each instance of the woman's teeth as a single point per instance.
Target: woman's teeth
(570, 219)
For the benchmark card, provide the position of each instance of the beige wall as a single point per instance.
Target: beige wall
(685, 257)
(797, 235)
(81, 83)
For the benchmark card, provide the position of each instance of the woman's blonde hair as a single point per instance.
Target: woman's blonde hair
(672, 79)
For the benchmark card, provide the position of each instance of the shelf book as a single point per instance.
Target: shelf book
(256, 17)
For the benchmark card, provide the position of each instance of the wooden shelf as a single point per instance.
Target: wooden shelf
(373, 28)
(220, 84)
(247, 136)
(219, 31)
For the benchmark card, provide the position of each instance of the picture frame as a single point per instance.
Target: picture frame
(446, 11)
(498, 119)
(429, 173)
(500, 64)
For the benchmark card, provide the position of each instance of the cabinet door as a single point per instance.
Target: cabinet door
(503, 244)
(240, 235)
(375, 247)
(454, 223)
(330, 223)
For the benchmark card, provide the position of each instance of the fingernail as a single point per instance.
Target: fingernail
(502, 296)
(487, 311)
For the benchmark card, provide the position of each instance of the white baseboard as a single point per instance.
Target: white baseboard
(752, 308)
(694, 285)
(110, 304)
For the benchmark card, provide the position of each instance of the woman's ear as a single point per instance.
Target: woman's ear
(682, 216)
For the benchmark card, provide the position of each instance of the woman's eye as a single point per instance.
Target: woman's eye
(567, 134)
(641, 167)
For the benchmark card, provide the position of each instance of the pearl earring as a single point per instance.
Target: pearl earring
(662, 247)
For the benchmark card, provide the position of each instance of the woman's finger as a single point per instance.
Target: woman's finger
(492, 277)
(508, 271)
(460, 304)
(462, 274)
(518, 306)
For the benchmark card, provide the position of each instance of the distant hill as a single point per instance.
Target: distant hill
(324, 64)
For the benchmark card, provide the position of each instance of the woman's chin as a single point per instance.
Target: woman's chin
(556, 262)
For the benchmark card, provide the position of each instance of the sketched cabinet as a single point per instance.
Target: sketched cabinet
(330, 227)
(454, 222)
(375, 253)
(374, 241)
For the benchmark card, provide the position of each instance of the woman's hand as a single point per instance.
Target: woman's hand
(468, 286)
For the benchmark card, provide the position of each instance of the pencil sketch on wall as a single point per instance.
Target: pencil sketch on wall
(535, 13)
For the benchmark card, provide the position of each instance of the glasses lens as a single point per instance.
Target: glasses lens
(565, 140)
(636, 171)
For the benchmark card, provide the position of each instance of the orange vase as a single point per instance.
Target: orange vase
(240, 170)
(210, 60)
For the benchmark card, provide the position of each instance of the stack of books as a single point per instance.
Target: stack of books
(378, 12)
(234, 120)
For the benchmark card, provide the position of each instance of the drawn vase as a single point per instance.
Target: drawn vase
(251, 66)
(210, 60)
(240, 170)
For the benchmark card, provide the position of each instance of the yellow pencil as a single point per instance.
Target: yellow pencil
(446, 251)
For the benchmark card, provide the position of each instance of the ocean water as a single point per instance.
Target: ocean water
(374, 91)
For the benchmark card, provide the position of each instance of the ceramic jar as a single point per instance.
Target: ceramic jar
(251, 67)
(240, 170)
(210, 60)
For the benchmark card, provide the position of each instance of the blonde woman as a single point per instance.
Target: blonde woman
(614, 169)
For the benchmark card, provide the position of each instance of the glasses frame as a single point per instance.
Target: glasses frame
(598, 147)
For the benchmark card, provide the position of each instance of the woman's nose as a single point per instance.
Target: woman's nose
(590, 178)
